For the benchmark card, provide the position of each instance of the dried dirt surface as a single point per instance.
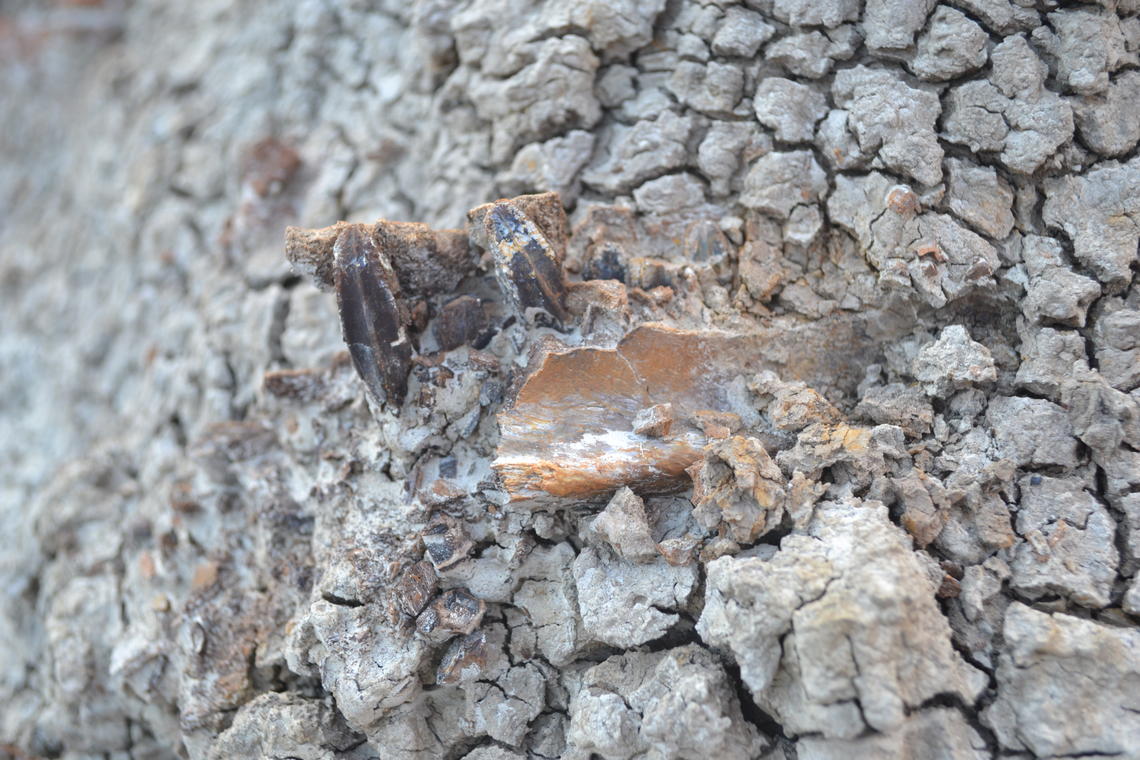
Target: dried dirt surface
(824, 443)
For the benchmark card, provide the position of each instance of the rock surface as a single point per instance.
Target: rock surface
(802, 422)
(1029, 715)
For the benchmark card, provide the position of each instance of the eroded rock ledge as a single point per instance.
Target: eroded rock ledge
(747, 508)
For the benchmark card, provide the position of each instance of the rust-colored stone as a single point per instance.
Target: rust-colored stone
(903, 201)
(654, 422)
(678, 551)
(716, 424)
(795, 410)
(721, 546)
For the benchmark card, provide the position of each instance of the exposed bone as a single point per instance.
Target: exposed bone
(570, 432)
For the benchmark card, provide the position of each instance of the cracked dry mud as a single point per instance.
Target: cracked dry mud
(830, 450)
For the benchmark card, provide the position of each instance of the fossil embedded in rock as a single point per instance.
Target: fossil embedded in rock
(464, 659)
(415, 587)
(573, 430)
(445, 541)
(570, 431)
(454, 611)
(462, 320)
(527, 268)
(372, 320)
(544, 209)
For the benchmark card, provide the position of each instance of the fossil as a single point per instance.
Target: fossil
(387, 274)
(526, 265)
(371, 317)
(415, 587)
(445, 541)
(464, 659)
(582, 420)
(590, 420)
(454, 611)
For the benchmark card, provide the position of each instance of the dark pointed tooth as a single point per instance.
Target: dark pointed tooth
(525, 264)
(367, 295)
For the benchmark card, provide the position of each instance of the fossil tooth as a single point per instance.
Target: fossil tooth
(462, 320)
(368, 297)
(415, 587)
(526, 265)
(464, 660)
(445, 541)
(544, 209)
(454, 611)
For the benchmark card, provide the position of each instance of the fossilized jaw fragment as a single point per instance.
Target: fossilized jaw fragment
(426, 262)
(372, 322)
(526, 266)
